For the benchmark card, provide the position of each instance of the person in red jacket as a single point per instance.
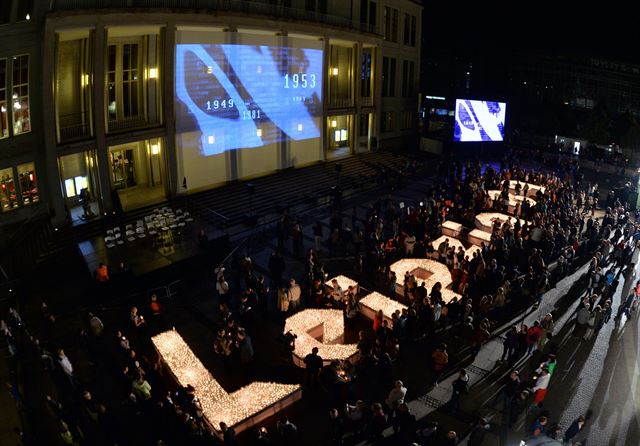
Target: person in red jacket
(102, 273)
(478, 337)
(533, 336)
(377, 320)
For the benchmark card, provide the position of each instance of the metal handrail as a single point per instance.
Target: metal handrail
(216, 214)
(207, 214)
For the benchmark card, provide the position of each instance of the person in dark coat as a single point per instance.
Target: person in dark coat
(518, 406)
(510, 344)
(478, 433)
(459, 388)
(575, 429)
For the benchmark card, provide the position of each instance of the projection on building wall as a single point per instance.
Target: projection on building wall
(248, 96)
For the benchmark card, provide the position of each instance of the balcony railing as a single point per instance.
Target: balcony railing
(234, 6)
(74, 126)
(340, 102)
(366, 101)
(129, 123)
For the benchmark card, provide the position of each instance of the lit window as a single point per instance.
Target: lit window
(20, 95)
(81, 183)
(4, 126)
(69, 188)
(8, 194)
(28, 183)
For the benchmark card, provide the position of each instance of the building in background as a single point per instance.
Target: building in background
(91, 101)
(22, 170)
(584, 98)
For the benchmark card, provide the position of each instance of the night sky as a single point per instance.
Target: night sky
(609, 29)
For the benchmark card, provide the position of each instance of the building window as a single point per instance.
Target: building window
(390, 24)
(28, 183)
(316, 6)
(132, 88)
(408, 68)
(73, 90)
(130, 80)
(124, 92)
(368, 13)
(4, 125)
(111, 83)
(386, 123)
(8, 194)
(341, 76)
(406, 29)
(413, 31)
(409, 30)
(5, 12)
(388, 76)
(366, 72)
(20, 95)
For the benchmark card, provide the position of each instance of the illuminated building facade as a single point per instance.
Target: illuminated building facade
(97, 98)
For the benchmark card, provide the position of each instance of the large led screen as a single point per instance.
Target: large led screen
(479, 120)
(240, 96)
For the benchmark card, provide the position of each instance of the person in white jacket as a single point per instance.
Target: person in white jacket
(294, 295)
(66, 366)
(540, 387)
(396, 395)
(409, 243)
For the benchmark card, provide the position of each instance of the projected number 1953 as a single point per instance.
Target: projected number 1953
(300, 81)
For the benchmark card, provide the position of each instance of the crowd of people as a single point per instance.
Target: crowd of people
(508, 274)
(365, 397)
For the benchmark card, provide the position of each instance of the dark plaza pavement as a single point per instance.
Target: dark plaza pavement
(600, 375)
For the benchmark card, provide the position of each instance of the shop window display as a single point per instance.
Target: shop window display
(28, 183)
(8, 194)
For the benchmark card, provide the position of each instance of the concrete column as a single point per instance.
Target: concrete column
(231, 156)
(357, 69)
(99, 118)
(166, 75)
(284, 150)
(51, 175)
(325, 103)
(151, 88)
(13, 13)
(377, 96)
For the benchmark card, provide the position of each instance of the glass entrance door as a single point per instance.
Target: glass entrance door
(123, 173)
(79, 183)
(137, 173)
